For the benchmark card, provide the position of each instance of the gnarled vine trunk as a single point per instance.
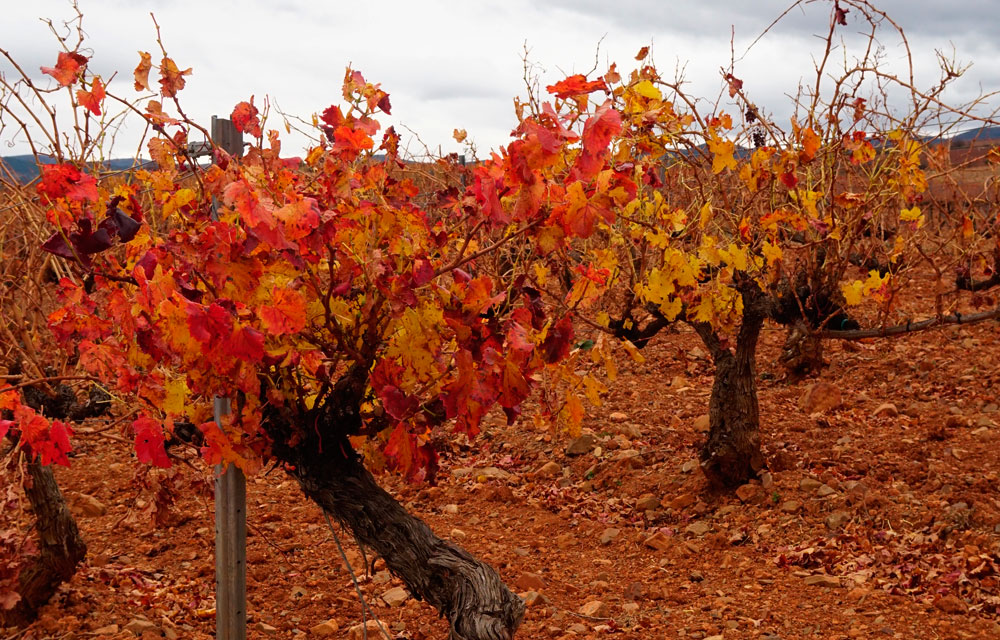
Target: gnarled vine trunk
(732, 454)
(467, 591)
(60, 547)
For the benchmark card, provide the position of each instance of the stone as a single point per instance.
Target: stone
(810, 484)
(89, 506)
(951, 604)
(766, 480)
(647, 502)
(595, 609)
(702, 423)
(689, 466)
(107, 630)
(396, 597)
(836, 520)
(658, 541)
(857, 593)
(297, 593)
(457, 534)
(618, 416)
(450, 508)
(698, 528)
(608, 535)
(630, 607)
(533, 599)
(266, 629)
(681, 501)
(822, 580)
(357, 632)
(886, 410)
(138, 626)
(549, 469)
(628, 458)
(579, 446)
(634, 591)
(820, 397)
(529, 581)
(324, 629)
(825, 490)
(748, 493)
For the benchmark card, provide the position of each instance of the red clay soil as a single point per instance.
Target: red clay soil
(880, 518)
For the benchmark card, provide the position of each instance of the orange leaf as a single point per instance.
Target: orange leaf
(141, 72)
(575, 85)
(91, 100)
(171, 78)
(810, 144)
(285, 314)
(68, 68)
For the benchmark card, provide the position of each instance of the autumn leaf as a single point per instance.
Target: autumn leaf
(735, 85)
(723, 154)
(141, 73)
(459, 135)
(69, 67)
(91, 100)
(149, 447)
(244, 118)
(171, 78)
(642, 54)
(286, 313)
(576, 85)
(810, 144)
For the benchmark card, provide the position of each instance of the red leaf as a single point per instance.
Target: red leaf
(66, 181)
(246, 343)
(149, 447)
(557, 342)
(245, 118)
(597, 134)
(69, 67)
(576, 85)
(417, 462)
(91, 100)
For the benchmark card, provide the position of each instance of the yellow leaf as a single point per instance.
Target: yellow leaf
(723, 150)
(705, 214)
(574, 413)
(772, 253)
(912, 215)
(176, 396)
(646, 89)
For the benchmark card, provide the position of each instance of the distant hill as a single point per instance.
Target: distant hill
(979, 133)
(25, 169)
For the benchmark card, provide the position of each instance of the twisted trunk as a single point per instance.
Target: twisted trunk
(732, 455)
(60, 547)
(467, 591)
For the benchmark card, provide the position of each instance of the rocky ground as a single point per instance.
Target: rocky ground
(879, 517)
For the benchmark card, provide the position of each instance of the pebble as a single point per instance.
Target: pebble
(837, 520)
(647, 502)
(450, 508)
(595, 609)
(549, 469)
(887, 410)
(820, 397)
(529, 581)
(951, 604)
(810, 484)
(89, 506)
(138, 626)
(698, 528)
(791, 506)
(324, 629)
(702, 423)
(822, 580)
(107, 630)
(608, 535)
(825, 490)
(658, 541)
(396, 597)
(266, 628)
(357, 632)
(581, 445)
(533, 599)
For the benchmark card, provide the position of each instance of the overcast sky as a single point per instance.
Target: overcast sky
(458, 64)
